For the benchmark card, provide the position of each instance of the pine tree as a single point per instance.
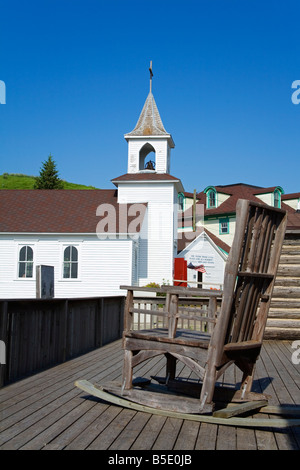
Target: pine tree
(48, 178)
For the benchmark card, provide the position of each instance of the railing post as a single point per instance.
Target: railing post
(98, 323)
(211, 313)
(4, 360)
(173, 318)
(128, 316)
(65, 331)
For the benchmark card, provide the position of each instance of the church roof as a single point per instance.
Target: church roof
(61, 211)
(149, 122)
(145, 176)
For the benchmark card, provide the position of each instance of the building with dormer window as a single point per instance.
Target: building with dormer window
(219, 202)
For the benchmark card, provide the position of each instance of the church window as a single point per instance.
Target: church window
(26, 262)
(70, 265)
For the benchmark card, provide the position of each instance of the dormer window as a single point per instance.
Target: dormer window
(277, 198)
(211, 197)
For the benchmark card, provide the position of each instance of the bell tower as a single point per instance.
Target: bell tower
(148, 181)
(149, 144)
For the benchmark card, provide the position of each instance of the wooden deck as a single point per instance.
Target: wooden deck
(46, 411)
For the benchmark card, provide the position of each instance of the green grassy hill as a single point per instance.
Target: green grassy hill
(20, 181)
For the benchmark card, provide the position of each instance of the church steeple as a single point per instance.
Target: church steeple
(149, 135)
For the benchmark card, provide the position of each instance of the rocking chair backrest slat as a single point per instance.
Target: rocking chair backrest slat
(250, 273)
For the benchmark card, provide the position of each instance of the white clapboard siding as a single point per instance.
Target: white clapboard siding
(156, 247)
(104, 265)
(162, 154)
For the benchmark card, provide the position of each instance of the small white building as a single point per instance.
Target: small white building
(205, 259)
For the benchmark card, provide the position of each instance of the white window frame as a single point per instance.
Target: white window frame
(225, 221)
(63, 247)
(19, 247)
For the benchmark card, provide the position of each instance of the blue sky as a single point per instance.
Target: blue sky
(76, 76)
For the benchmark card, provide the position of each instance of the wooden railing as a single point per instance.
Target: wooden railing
(36, 334)
(194, 313)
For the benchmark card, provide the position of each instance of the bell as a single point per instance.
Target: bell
(150, 165)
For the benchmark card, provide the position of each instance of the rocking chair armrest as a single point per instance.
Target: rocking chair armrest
(242, 345)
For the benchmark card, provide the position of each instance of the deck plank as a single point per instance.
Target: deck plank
(46, 411)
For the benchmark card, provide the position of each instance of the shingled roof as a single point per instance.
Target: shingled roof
(149, 122)
(58, 211)
(244, 191)
(235, 191)
(185, 238)
(145, 176)
(148, 176)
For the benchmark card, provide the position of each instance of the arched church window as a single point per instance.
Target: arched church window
(26, 261)
(70, 266)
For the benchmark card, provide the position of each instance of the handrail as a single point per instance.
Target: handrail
(176, 290)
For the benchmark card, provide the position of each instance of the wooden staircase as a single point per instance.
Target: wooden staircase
(284, 314)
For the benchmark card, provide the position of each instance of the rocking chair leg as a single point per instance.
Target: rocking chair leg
(127, 370)
(247, 381)
(208, 387)
(171, 366)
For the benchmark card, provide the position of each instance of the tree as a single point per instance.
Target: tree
(48, 178)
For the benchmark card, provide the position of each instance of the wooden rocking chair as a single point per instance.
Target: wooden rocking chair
(232, 335)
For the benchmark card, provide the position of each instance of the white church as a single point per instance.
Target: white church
(96, 240)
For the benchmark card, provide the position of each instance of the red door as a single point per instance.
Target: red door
(180, 272)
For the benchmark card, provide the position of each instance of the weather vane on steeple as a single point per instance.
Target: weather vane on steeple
(151, 75)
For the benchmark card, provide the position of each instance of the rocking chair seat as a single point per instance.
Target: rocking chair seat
(183, 337)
